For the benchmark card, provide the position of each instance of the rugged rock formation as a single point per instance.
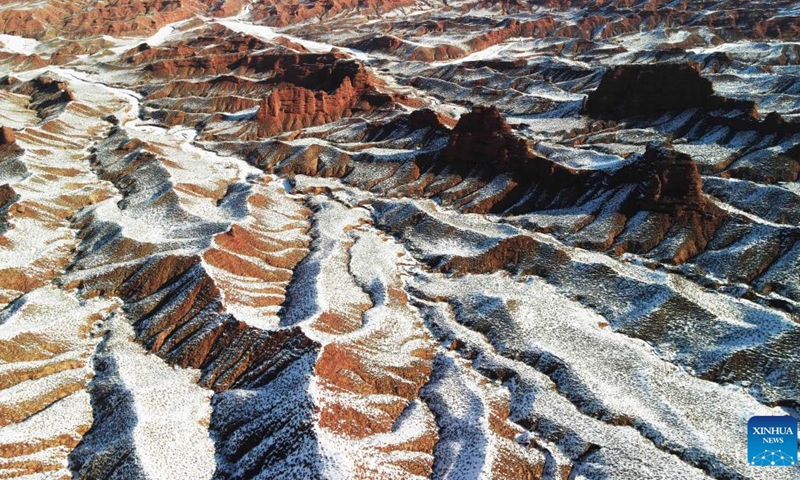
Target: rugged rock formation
(487, 168)
(48, 95)
(670, 181)
(395, 46)
(6, 136)
(381, 239)
(482, 137)
(344, 88)
(632, 90)
(85, 18)
(278, 13)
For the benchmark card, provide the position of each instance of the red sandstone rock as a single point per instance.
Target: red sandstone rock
(669, 181)
(483, 137)
(425, 118)
(6, 136)
(282, 13)
(84, 18)
(292, 107)
(7, 194)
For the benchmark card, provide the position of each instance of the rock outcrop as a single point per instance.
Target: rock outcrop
(669, 181)
(318, 97)
(48, 95)
(482, 137)
(632, 90)
(6, 136)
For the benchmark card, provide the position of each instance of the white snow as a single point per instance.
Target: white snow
(611, 371)
(17, 44)
(163, 33)
(172, 413)
(581, 159)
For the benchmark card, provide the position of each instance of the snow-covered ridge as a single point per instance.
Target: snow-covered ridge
(387, 293)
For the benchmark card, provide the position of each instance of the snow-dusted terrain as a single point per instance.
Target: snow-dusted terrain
(397, 239)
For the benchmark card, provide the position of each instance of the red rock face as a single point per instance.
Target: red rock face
(6, 136)
(86, 18)
(292, 107)
(281, 13)
(670, 181)
(482, 137)
(663, 185)
(297, 90)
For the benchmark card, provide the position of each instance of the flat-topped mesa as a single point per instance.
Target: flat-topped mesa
(667, 181)
(634, 90)
(482, 145)
(7, 136)
(345, 88)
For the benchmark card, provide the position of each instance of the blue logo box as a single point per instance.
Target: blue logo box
(772, 441)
